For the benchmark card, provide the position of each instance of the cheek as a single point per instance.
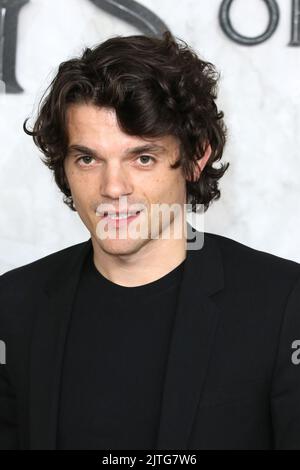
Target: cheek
(168, 186)
(78, 181)
(173, 188)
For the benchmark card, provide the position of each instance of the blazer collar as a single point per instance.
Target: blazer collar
(190, 348)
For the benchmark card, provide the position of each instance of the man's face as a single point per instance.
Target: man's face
(101, 167)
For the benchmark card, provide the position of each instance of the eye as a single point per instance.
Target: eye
(146, 157)
(83, 158)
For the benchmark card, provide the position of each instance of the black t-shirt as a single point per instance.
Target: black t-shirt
(115, 360)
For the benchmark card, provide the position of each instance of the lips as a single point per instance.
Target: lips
(118, 222)
(120, 214)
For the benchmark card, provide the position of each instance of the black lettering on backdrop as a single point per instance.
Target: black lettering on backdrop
(227, 27)
(9, 11)
(140, 17)
(135, 14)
(295, 30)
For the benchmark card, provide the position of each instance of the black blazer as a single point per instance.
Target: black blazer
(231, 380)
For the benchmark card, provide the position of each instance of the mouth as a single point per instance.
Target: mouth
(120, 215)
(117, 219)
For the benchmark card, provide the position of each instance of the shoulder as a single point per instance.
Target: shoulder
(37, 271)
(259, 287)
(241, 261)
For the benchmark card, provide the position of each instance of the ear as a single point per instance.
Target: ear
(200, 164)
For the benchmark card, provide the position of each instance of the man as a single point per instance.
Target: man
(133, 339)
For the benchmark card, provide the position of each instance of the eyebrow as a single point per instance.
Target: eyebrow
(129, 151)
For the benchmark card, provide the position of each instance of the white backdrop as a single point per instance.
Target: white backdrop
(259, 93)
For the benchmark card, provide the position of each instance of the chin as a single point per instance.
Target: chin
(120, 247)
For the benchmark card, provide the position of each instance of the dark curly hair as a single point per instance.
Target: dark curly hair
(157, 86)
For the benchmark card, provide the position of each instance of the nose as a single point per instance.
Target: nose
(115, 182)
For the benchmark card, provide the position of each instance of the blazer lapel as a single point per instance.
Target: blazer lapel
(48, 339)
(191, 345)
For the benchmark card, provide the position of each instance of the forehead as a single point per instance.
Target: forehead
(90, 124)
(88, 115)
